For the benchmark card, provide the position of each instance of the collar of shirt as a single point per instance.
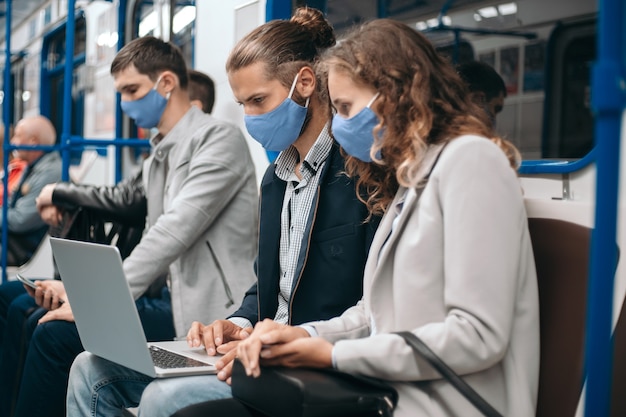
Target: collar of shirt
(314, 159)
(162, 144)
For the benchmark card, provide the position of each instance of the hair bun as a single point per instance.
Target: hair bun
(314, 22)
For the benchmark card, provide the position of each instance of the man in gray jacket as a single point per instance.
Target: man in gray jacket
(201, 213)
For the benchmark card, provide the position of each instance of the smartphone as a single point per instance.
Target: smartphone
(26, 281)
(31, 284)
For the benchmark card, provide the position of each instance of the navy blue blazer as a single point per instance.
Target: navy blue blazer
(329, 276)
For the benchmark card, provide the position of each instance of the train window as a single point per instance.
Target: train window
(30, 95)
(56, 46)
(183, 24)
(568, 131)
(17, 77)
(155, 18)
(16, 107)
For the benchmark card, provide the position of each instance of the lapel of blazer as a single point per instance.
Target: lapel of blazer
(384, 240)
(267, 262)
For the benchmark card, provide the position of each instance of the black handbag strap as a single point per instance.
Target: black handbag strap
(435, 361)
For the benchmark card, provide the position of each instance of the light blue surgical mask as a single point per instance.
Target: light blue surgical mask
(279, 128)
(355, 135)
(148, 110)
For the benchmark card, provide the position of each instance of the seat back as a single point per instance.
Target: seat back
(561, 252)
(39, 266)
(618, 386)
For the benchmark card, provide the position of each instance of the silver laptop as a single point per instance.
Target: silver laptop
(107, 318)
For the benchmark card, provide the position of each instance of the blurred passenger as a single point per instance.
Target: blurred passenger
(201, 90)
(313, 239)
(456, 267)
(486, 86)
(26, 229)
(25, 226)
(200, 191)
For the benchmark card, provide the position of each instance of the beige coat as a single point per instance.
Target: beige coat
(458, 271)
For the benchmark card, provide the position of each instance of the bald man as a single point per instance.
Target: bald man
(26, 228)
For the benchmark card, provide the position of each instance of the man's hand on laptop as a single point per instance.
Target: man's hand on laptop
(221, 336)
(62, 313)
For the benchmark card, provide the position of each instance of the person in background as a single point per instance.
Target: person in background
(200, 194)
(399, 103)
(313, 233)
(201, 91)
(25, 226)
(486, 86)
(26, 229)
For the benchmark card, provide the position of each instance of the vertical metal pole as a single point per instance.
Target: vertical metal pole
(608, 105)
(277, 9)
(382, 6)
(6, 111)
(66, 134)
(119, 118)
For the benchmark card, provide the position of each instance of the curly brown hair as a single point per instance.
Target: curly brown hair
(422, 101)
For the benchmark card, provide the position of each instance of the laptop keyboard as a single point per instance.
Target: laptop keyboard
(166, 359)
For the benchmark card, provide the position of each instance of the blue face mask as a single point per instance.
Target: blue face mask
(146, 111)
(279, 128)
(355, 134)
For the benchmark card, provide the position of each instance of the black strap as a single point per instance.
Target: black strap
(468, 392)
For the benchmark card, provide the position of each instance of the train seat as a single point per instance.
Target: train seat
(39, 266)
(561, 251)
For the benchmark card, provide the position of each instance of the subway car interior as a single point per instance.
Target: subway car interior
(564, 66)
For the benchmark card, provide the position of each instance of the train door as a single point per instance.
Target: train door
(53, 56)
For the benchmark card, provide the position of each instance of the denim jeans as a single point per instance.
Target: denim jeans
(98, 387)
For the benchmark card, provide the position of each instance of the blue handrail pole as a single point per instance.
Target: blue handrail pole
(6, 110)
(608, 104)
(277, 9)
(119, 117)
(67, 89)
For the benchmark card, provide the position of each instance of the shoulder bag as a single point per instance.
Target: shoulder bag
(307, 392)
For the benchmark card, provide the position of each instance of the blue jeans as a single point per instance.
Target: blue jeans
(98, 387)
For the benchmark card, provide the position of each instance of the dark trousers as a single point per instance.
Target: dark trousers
(37, 385)
(9, 291)
(227, 407)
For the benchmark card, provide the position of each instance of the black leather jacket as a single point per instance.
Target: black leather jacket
(87, 208)
(123, 203)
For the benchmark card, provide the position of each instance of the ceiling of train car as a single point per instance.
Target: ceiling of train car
(21, 9)
(356, 11)
(348, 12)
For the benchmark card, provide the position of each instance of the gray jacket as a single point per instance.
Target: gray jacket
(207, 235)
(23, 216)
(456, 268)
